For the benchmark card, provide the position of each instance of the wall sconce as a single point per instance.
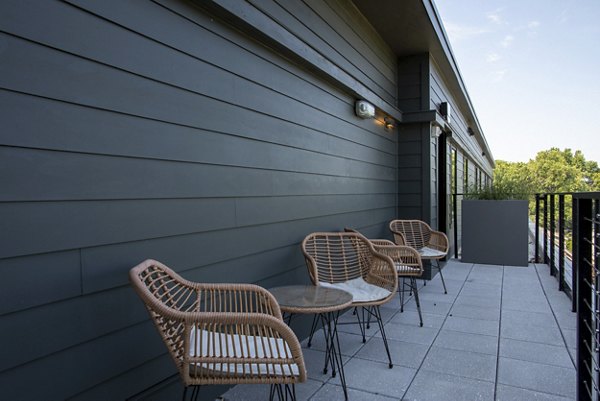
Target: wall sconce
(445, 110)
(388, 122)
(364, 109)
(470, 131)
(483, 154)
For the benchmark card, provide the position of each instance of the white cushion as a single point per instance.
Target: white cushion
(427, 252)
(213, 344)
(403, 268)
(361, 290)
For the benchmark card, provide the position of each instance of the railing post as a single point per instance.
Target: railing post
(455, 228)
(574, 272)
(546, 230)
(537, 228)
(561, 242)
(582, 209)
(552, 229)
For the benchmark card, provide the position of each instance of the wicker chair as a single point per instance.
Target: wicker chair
(348, 261)
(408, 266)
(432, 245)
(220, 333)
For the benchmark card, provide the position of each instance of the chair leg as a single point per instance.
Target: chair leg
(437, 262)
(401, 294)
(195, 393)
(361, 325)
(416, 290)
(184, 397)
(383, 336)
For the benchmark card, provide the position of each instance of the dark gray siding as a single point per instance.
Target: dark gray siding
(136, 130)
(414, 161)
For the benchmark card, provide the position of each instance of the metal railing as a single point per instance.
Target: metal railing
(556, 228)
(586, 253)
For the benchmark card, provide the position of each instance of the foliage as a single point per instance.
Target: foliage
(552, 170)
(494, 193)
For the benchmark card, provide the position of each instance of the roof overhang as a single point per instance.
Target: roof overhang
(413, 27)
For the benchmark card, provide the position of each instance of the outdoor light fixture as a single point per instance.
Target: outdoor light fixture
(389, 123)
(483, 154)
(445, 110)
(470, 131)
(364, 109)
(436, 131)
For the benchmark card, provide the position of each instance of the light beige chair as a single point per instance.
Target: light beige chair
(220, 333)
(348, 261)
(408, 266)
(432, 245)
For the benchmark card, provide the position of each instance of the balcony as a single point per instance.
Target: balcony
(501, 333)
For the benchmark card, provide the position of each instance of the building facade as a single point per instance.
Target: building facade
(212, 136)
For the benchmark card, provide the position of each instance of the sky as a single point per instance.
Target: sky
(532, 70)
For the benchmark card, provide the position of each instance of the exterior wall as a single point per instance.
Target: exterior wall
(136, 130)
(414, 145)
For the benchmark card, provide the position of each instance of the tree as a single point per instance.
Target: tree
(552, 170)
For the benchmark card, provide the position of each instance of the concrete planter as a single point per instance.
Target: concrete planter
(495, 232)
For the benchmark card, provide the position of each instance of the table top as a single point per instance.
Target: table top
(310, 299)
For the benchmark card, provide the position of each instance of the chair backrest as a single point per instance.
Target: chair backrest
(165, 294)
(219, 332)
(337, 257)
(414, 233)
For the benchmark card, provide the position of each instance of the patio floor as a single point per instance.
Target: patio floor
(501, 333)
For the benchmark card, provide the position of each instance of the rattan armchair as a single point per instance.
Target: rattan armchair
(408, 267)
(432, 245)
(220, 333)
(348, 261)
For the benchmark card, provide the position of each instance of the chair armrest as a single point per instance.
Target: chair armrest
(399, 238)
(402, 255)
(382, 272)
(438, 241)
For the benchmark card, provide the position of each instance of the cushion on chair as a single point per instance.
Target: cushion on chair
(427, 252)
(400, 268)
(213, 344)
(361, 290)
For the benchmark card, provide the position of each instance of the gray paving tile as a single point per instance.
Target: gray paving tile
(526, 305)
(475, 326)
(467, 342)
(528, 318)
(349, 343)
(461, 363)
(429, 306)
(436, 296)
(535, 352)
(570, 336)
(485, 302)
(375, 377)
(314, 362)
(411, 318)
(403, 354)
(411, 334)
(260, 392)
(475, 312)
(546, 335)
(537, 377)
(509, 393)
(330, 392)
(435, 386)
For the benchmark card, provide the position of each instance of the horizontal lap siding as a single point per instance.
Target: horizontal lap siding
(136, 130)
(413, 150)
(440, 93)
